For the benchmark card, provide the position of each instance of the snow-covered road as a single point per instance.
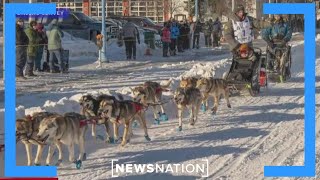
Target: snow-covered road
(238, 142)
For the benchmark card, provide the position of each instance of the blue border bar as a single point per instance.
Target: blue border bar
(10, 11)
(11, 170)
(309, 168)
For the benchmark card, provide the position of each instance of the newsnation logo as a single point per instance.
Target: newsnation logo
(201, 168)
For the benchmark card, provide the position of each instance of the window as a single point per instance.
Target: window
(150, 14)
(142, 3)
(134, 9)
(69, 20)
(149, 21)
(82, 17)
(143, 14)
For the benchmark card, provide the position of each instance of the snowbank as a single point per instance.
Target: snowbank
(79, 47)
(210, 69)
(62, 106)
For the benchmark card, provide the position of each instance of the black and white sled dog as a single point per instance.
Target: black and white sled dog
(188, 98)
(66, 129)
(89, 108)
(27, 129)
(150, 94)
(123, 112)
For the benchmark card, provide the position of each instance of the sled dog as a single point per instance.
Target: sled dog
(123, 112)
(89, 108)
(215, 88)
(188, 98)
(66, 129)
(150, 93)
(26, 132)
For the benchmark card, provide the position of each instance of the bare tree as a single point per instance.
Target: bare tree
(220, 7)
(176, 6)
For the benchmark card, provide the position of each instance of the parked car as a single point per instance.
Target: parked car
(140, 21)
(80, 25)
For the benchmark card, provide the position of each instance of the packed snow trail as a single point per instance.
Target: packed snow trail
(238, 142)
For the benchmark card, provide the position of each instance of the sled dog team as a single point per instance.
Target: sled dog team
(52, 129)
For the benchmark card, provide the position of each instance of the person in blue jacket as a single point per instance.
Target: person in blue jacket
(175, 33)
(277, 36)
(279, 33)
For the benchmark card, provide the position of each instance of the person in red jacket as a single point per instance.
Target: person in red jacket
(166, 39)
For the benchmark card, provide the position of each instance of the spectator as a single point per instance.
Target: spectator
(32, 50)
(217, 32)
(211, 27)
(186, 42)
(196, 34)
(181, 36)
(55, 47)
(207, 30)
(130, 35)
(174, 35)
(166, 39)
(191, 25)
(42, 44)
(21, 49)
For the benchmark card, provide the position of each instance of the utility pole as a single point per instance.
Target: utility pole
(233, 5)
(30, 18)
(270, 16)
(98, 5)
(196, 9)
(103, 51)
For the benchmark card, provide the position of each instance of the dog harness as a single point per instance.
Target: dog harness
(137, 107)
(29, 117)
(243, 31)
(210, 87)
(158, 90)
(87, 121)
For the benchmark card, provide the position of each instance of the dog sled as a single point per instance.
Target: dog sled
(278, 63)
(247, 73)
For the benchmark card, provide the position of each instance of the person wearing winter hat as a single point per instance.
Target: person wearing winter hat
(34, 40)
(239, 29)
(130, 36)
(165, 38)
(21, 49)
(197, 29)
(216, 32)
(279, 32)
(55, 47)
(42, 44)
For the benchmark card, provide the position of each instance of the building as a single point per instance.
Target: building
(156, 10)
